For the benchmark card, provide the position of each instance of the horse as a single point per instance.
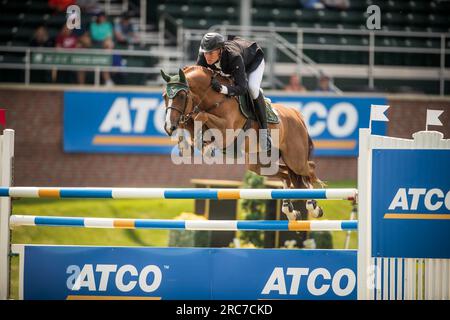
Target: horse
(189, 97)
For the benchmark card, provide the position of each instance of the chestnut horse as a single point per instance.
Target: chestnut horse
(189, 97)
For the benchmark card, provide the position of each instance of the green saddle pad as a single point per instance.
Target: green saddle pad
(247, 111)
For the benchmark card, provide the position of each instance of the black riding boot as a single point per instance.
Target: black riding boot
(260, 110)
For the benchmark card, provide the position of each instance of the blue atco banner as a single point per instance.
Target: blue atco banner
(134, 122)
(411, 213)
(71, 272)
(334, 122)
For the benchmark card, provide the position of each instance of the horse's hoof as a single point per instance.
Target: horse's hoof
(317, 213)
(288, 206)
(313, 209)
(311, 205)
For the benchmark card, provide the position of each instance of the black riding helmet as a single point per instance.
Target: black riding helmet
(211, 41)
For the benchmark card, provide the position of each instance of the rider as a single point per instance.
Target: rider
(243, 60)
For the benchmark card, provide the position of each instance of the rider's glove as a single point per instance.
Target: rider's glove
(215, 84)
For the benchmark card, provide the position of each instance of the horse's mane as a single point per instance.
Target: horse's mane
(207, 71)
(194, 67)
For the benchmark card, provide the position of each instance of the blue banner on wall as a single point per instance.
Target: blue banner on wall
(412, 211)
(134, 122)
(70, 272)
(334, 122)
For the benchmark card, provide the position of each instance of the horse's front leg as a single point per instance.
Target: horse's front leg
(287, 206)
(212, 121)
(199, 124)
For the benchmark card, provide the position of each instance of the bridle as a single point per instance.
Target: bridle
(172, 90)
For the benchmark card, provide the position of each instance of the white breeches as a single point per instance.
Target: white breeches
(254, 80)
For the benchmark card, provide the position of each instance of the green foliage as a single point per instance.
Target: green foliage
(183, 238)
(323, 239)
(189, 238)
(253, 209)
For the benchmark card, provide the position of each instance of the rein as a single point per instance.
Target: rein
(184, 118)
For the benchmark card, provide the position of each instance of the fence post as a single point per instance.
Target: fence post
(364, 216)
(7, 155)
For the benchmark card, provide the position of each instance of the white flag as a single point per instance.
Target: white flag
(377, 113)
(433, 117)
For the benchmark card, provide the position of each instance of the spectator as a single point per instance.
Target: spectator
(336, 4)
(100, 30)
(324, 84)
(124, 31)
(60, 5)
(312, 4)
(84, 41)
(295, 84)
(325, 4)
(111, 78)
(66, 39)
(41, 38)
(109, 45)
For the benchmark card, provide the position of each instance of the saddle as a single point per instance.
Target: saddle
(246, 106)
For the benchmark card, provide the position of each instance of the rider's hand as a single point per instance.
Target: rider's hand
(215, 84)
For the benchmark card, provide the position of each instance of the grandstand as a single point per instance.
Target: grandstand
(410, 53)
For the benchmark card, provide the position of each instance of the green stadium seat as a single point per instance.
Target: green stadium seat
(261, 14)
(353, 17)
(196, 2)
(359, 5)
(418, 6)
(33, 19)
(307, 15)
(441, 20)
(329, 16)
(10, 20)
(392, 18)
(417, 19)
(276, 3)
(218, 12)
(57, 21)
(302, 24)
(394, 5)
(14, 7)
(286, 15)
(39, 7)
(23, 33)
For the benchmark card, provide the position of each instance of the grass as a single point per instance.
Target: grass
(147, 209)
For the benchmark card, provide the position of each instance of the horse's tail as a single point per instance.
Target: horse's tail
(312, 166)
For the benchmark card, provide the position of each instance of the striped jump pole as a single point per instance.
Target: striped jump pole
(174, 193)
(213, 225)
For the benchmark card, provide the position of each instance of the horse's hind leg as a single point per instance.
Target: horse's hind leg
(287, 206)
(303, 182)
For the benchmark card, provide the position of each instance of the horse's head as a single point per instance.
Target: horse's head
(176, 100)
(183, 98)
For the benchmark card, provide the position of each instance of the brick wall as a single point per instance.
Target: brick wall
(36, 115)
